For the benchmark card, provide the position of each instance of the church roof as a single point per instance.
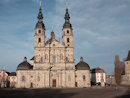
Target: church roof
(67, 23)
(82, 65)
(12, 74)
(40, 23)
(24, 65)
(128, 57)
(97, 70)
(50, 41)
(32, 58)
(7, 72)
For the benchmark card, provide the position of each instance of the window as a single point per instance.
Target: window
(23, 78)
(39, 31)
(68, 40)
(67, 31)
(54, 59)
(38, 78)
(53, 44)
(84, 77)
(39, 40)
(41, 59)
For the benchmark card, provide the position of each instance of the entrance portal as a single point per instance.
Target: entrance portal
(76, 84)
(31, 86)
(54, 83)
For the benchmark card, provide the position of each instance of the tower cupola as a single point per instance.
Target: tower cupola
(40, 23)
(67, 23)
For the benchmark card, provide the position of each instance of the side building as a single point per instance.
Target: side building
(4, 78)
(97, 74)
(127, 69)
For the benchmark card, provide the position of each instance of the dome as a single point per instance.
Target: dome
(24, 65)
(82, 65)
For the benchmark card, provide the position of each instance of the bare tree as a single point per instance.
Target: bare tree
(118, 70)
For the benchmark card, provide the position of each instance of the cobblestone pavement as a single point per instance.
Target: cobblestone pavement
(109, 92)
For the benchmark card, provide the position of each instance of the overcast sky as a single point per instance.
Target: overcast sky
(101, 29)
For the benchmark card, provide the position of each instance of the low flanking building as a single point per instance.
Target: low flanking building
(4, 78)
(126, 77)
(83, 74)
(13, 79)
(97, 74)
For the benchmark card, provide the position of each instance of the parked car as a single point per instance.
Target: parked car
(93, 83)
(98, 83)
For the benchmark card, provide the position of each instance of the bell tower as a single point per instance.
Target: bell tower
(67, 37)
(40, 30)
(67, 34)
(39, 37)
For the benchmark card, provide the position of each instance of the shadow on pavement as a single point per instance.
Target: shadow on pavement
(35, 93)
(126, 95)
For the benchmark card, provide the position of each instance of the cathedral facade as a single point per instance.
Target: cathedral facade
(53, 63)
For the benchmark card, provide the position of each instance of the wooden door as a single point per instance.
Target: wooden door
(54, 83)
(31, 85)
(76, 84)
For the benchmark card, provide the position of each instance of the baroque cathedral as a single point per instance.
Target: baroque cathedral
(53, 63)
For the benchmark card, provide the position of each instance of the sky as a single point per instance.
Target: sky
(101, 30)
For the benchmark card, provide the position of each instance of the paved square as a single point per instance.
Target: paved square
(121, 92)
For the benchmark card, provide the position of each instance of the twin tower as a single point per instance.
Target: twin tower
(67, 35)
(41, 44)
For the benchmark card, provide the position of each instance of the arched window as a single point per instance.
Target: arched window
(39, 40)
(54, 59)
(84, 78)
(41, 59)
(23, 78)
(38, 78)
(67, 31)
(39, 31)
(68, 40)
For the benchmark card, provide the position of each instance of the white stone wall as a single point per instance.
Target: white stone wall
(79, 78)
(127, 67)
(99, 77)
(13, 81)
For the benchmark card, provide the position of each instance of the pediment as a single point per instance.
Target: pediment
(55, 43)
